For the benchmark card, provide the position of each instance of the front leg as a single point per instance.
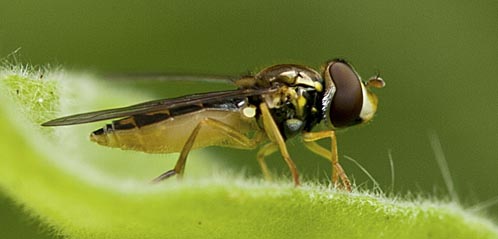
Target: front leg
(309, 139)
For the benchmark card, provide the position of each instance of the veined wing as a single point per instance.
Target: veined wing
(156, 105)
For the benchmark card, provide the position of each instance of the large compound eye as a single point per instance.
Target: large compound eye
(347, 101)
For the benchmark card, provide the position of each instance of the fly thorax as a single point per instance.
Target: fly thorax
(281, 97)
(294, 109)
(293, 105)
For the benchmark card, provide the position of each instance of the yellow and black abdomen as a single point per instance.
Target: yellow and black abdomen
(167, 131)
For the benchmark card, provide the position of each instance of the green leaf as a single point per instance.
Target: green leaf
(82, 190)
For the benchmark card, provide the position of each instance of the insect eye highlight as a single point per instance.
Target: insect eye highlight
(347, 101)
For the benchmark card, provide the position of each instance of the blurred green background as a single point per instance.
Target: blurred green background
(438, 58)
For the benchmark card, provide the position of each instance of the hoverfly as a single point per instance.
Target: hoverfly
(276, 104)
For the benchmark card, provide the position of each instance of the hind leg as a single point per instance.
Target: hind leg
(236, 139)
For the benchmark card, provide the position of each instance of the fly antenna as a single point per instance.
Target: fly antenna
(375, 81)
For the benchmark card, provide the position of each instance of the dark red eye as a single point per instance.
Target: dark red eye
(348, 98)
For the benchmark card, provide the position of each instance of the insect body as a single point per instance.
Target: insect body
(278, 103)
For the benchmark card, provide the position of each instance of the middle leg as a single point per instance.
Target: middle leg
(276, 137)
(264, 151)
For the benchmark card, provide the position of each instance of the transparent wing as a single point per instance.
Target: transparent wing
(156, 105)
(229, 80)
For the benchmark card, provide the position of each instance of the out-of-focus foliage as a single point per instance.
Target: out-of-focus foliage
(437, 57)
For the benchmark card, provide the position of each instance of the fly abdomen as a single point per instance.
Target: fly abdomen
(104, 136)
(167, 132)
(111, 135)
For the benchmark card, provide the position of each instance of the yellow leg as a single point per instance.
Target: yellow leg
(274, 135)
(238, 139)
(266, 150)
(337, 170)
